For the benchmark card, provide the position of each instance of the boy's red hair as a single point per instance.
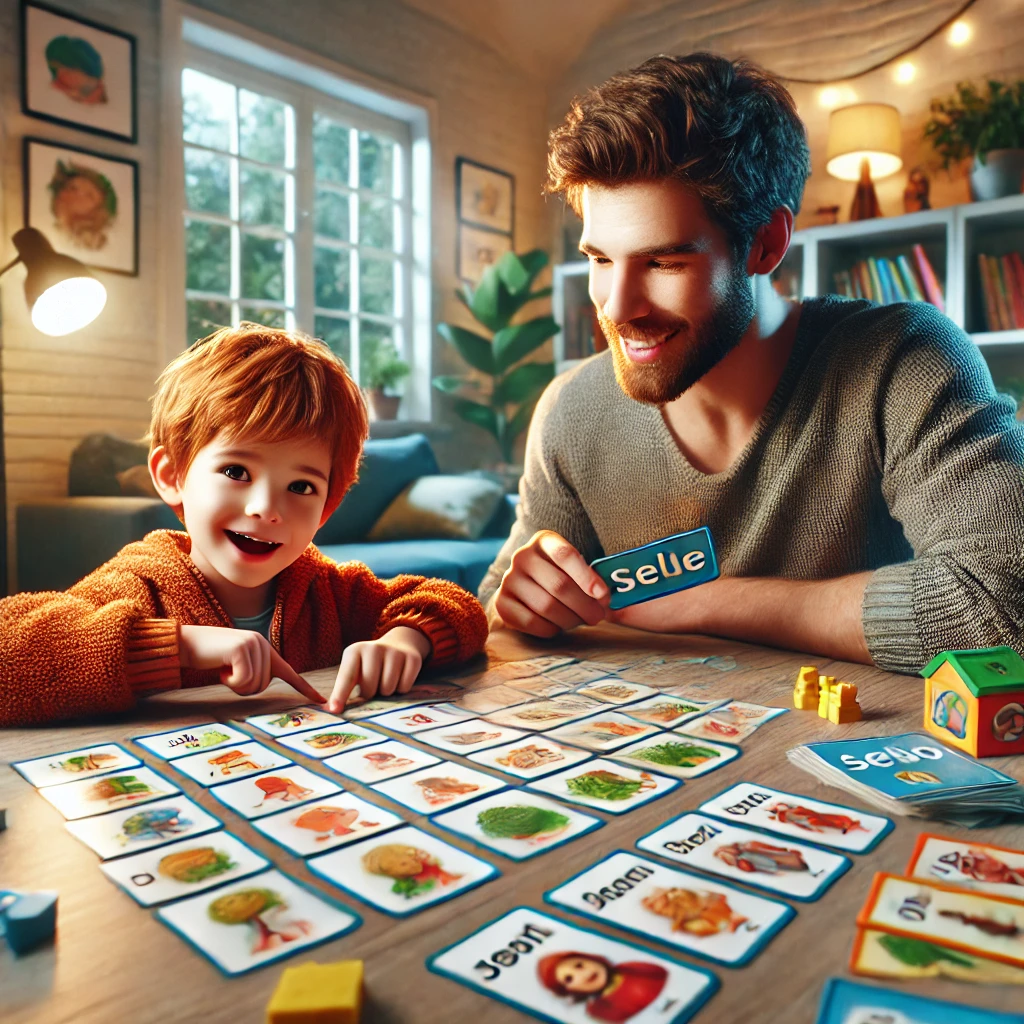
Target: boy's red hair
(262, 384)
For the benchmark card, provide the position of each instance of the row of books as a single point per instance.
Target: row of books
(1002, 283)
(903, 279)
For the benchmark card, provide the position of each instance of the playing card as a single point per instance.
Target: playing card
(971, 864)
(229, 763)
(667, 711)
(602, 732)
(190, 739)
(263, 794)
(75, 764)
(432, 789)
(403, 872)
(575, 674)
(321, 743)
(358, 710)
(678, 756)
(494, 698)
(285, 723)
(466, 737)
(540, 686)
(539, 715)
(324, 824)
(413, 720)
(605, 785)
(531, 757)
(108, 792)
(532, 666)
(614, 691)
(732, 722)
(382, 761)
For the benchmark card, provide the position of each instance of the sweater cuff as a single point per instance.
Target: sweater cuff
(152, 662)
(444, 641)
(891, 628)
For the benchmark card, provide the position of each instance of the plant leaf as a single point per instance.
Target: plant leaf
(518, 272)
(448, 384)
(541, 293)
(518, 340)
(465, 295)
(492, 304)
(524, 383)
(474, 348)
(477, 414)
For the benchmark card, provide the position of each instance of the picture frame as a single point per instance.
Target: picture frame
(484, 196)
(478, 249)
(78, 73)
(85, 203)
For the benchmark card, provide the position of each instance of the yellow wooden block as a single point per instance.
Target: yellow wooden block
(806, 691)
(825, 684)
(318, 994)
(842, 704)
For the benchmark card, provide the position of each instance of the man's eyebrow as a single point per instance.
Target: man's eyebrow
(672, 249)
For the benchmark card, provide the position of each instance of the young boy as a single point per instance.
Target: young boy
(255, 438)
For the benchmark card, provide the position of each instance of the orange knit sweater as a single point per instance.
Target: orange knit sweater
(114, 635)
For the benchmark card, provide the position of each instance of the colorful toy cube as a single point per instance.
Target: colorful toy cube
(842, 704)
(318, 994)
(805, 693)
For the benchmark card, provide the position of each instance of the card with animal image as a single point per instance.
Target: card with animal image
(605, 785)
(129, 831)
(541, 715)
(666, 711)
(433, 789)
(531, 757)
(678, 756)
(469, 736)
(410, 721)
(255, 921)
(321, 743)
(731, 723)
(75, 764)
(792, 814)
(184, 868)
(111, 792)
(324, 824)
(285, 723)
(969, 863)
(679, 908)
(565, 973)
(795, 870)
(602, 732)
(190, 739)
(494, 698)
(382, 761)
(516, 823)
(264, 794)
(616, 691)
(226, 764)
(404, 871)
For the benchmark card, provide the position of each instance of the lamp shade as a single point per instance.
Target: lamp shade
(864, 131)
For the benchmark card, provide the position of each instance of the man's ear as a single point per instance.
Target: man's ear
(164, 476)
(771, 242)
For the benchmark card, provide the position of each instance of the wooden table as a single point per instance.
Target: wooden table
(113, 961)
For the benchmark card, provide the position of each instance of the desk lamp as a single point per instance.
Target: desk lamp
(864, 144)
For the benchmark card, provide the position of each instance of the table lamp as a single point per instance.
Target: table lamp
(864, 144)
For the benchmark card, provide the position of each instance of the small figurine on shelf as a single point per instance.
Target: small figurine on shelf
(915, 195)
(865, 201)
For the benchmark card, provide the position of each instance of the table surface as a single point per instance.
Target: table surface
(112, 960)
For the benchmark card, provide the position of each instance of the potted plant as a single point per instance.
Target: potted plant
(384, 370)
(988, 125)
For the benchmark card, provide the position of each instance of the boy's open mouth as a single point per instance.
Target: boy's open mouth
(250, 545)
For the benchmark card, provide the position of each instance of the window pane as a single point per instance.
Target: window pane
(377, 285)
(371, 337)
(331, 147)
(262, 267)
(331, 216)
(207, 182)
(262, 132)
(204, 318)
(207, 257)
(268, 317)
(377, 223)
(262, 197)
(376, 160)
(337, 334)
(208, 109)
(331, 278)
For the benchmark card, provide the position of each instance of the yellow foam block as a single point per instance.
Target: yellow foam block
(842, 704)
(825, 684)
(318, 994)
(806, 691)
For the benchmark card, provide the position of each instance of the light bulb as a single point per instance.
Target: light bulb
(829, 97)
(68, 306)
(905, 72)
(959, 33)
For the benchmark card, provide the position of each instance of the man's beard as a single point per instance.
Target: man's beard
(704, 345)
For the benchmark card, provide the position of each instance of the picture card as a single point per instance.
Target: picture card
(666, 711)
(974, 865)
(357, 710)
(321, 743)
(699, 915)
(575, 674)
(184, 868)
(129, 831)
(432, 789)
(403, 872)
(383, 761)
(565, 973)
(324, 824)
(792, 814)
(469, 736)
(75, 764)
(285, 723)
(732, 722)
(190, 739)
(230, 763)
(530, 758)
(409, 721)
(616, 691)
(795, 870)
(602, 732)
(540, 686)
(679, 756)
(517, 824)
(494, 698)
(263, 794)
(422, 693)
(540, 715)
(605, 785)
(258, 920)
(533, 666)
(104, 793)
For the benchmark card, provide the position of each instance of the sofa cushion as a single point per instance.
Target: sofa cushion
(96, 462)
(457, 507)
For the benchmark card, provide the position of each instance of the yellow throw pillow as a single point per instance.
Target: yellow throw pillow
(456, 507)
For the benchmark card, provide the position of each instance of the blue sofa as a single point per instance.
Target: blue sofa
(61, 540)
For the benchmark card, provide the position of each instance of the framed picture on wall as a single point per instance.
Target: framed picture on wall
(484, 196)
(85, 203)
(478, 249)
(78, 73)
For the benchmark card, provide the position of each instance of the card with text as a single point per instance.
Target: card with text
(191, 739)
(678, 756)
(382, 761)
(605, 785)
(531, 758)
(112, 792)
(469, 736)
(324, 824)
(264, 794)
(602, 732)
(972, 864)
(321, 743)
(229, 763)
(432, 789)
(75, 764)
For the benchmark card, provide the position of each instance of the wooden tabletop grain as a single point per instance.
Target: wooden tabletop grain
(113, 961)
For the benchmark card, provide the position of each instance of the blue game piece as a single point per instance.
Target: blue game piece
(28, 918)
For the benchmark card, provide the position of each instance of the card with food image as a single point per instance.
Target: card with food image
(666, 711)
(253, 922)
(602, 732)
(285, 723)
(75, 764)
(699, 915)
(190, 739)
(494, 698)
(403, 872)
(531, 757)
(432, 789)
(516, 823)
(264, 794)
(541, 715)
(184, 868)
(972, 864)
(321, 743)
(129, 831)
(579, 672)
(113, 792)
(732, 722)
(615, 691)
(324, 824)
(605, 785)
(410, 721)
(229, 763)
(382, 761)
(798, 871)
(469, 736)
(678, 756)
(540, 686)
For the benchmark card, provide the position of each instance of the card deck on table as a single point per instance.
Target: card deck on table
(413, 720)
(539, 715)
(531, 757)
(517, 823)
(732, 722)
(324, 824)
(434, 789)
(699, 915)
(971, 864)
(567, 974)
(792, 814)
(255, 921)
(616, 691)
(190, 739)
(605, 785)
(469, 736)
(323, 743)
(264, 794)
(667, 711)
(602, 732)
(129, 831)
(404, 871)
(795, 870)
(285, 723)
(230, 763)
(184, 868)
(385, 760)
(75, 764)
(679, 756)
(114, 792)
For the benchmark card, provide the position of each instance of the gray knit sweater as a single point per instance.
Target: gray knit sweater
(885, 447)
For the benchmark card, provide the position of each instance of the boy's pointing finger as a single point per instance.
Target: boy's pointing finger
(282, 670)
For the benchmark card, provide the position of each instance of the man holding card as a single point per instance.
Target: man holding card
(860, 476)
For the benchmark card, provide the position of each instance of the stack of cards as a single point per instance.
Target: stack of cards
(850, 1002)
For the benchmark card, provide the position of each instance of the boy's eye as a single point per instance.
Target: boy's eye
(301, 487)
(236, 472)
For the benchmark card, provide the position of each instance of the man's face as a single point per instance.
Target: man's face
(669, 297)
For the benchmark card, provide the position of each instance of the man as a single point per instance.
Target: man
(863, 482)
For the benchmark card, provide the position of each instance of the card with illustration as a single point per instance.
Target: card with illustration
(229, 763)
(732, 722)
(517, 824)
(540, 686)
(321, 743)
(410, 721)
(974, 865)
(539, 715)
(469, 736)
(285, 723)
(422, 693)
(494, 698)
(156, 824)
(382, 761)
(575, 674)
(104, 793)
(75, 764)
(530, 758)
(264, 794)
(403, 872)
(678, 756)
(792, 814)
(616, 691)
(325, 824)
(184, 868)
(605, 785)
(258, 920)
(357, 710)
(568, 974)
(434, 789)
(699, 915)
(533, 666)
(602, 732)
(190, 739)
(666, 711)
(795, 870)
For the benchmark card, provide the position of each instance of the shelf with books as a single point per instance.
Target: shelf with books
(993, 246)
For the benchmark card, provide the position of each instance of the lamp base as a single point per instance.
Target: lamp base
(865, 201)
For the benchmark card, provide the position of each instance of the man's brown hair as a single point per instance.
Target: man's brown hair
(728, 129)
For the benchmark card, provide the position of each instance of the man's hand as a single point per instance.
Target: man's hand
(550, 587)
(386, 666)
(246, 661)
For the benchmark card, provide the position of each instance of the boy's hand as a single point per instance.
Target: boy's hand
(246, 661)
(385, 666)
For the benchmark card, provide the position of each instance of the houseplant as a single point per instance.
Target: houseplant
(988, 125)
(385, 369)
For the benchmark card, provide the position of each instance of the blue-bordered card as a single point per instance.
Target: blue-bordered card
(605, 785)
(230, 763)
(321, 743)
(433, 789)
(532, 757)
(286, 723)
(73, 765)
(113, 792)
(190, 739)
(263, 794)
(678, 756)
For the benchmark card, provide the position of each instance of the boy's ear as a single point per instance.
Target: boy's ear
(164, 476)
